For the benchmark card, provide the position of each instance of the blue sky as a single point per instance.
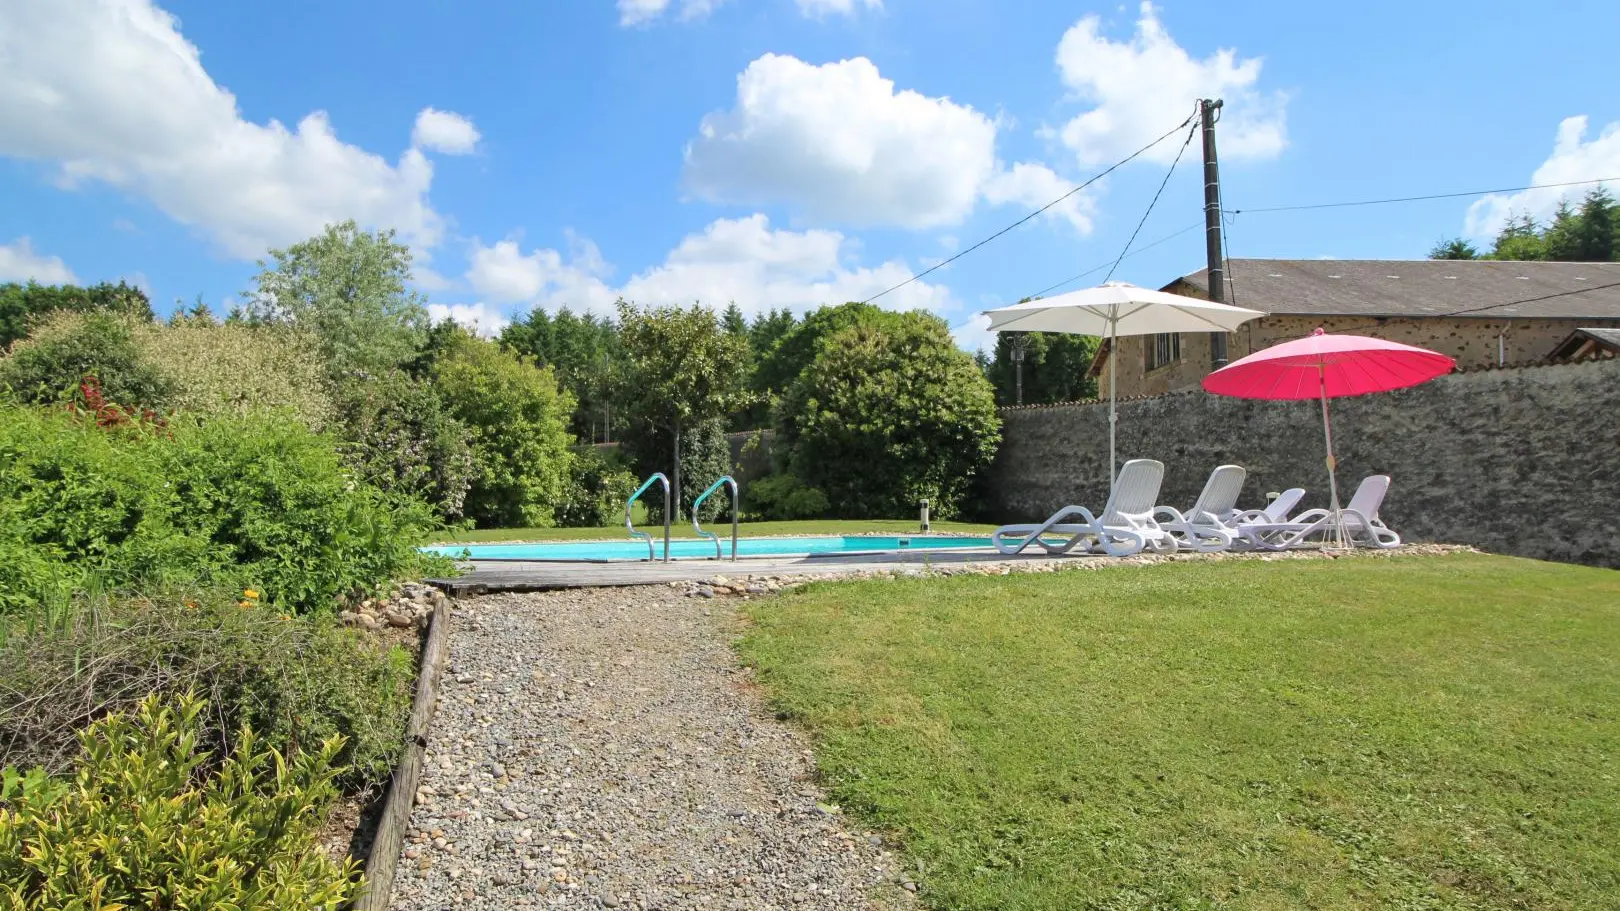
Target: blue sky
(771, 152)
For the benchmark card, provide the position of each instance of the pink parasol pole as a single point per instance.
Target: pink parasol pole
(1332, 463)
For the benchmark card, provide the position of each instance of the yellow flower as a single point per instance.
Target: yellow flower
(285, 617)
(244, 604)
(249, 593)
(191, 604)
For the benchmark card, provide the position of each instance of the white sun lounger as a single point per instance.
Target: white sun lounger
(1275, 514)
(1203, 528)
(1125, 527)
(1311, 527)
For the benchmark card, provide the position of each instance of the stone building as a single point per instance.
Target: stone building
(1480, 312)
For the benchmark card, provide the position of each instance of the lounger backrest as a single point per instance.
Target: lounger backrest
(1280, 508)
(1220, 494)
(1136, 491)
(1370, 495)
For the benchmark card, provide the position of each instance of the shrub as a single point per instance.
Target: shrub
(517, 419)
(236, 368)
(67, 346)
(399, 437)
(142, 828)
(783, 496)
(254, 501)
(889, 414)
(597, 488)
(295, 682)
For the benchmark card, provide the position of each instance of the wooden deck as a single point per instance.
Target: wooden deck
(491, 576)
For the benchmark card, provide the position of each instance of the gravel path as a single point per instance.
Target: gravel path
(601, 748)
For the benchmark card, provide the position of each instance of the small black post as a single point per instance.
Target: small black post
(1212, 226)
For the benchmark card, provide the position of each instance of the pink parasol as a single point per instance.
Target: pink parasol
(1322, 366)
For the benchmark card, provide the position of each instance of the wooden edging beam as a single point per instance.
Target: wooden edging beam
(383, 860)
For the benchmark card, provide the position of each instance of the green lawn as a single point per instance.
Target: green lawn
(746, 529)
(1414, 732)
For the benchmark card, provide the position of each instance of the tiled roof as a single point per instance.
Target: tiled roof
(1419, 288)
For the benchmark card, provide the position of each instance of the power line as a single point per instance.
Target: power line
(1155, 201)
(1111, 168)
(1379, 202)
(1098, 268)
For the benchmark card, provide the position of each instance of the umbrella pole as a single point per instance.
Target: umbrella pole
(1113, 395)
(1333, 483)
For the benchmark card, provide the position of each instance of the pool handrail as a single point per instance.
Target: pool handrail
(697, 504)
(657, 477)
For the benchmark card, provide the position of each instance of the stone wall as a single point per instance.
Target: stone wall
(1519, 460)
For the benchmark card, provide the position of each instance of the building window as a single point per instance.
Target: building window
(1163, 349)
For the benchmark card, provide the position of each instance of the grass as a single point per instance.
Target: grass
(746, 529)
(1414, 732)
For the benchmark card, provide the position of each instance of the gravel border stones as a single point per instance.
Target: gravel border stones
(601, 748)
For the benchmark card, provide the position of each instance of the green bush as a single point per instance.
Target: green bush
(784, 497)
(236, 368)
(142, 827)
(597, 489)
(517, 419)
(888, 414)
(399, 437)
(296, 682)
(250, 501)
(67, 346)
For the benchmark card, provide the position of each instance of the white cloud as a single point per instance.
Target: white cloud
(1139, 88)
(1573, 158)
(820, 8)
(839, 142)
(481, 318)
(444, 131)
(975, 334)
(743, 260)
(109, 91)
(1034, 185)
(427, 279)
(19, 263)
(639, 12)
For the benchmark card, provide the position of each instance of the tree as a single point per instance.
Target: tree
(22, 305)
(733, 321)
(1456, 248)
(584, 351)
(796, 349)
(1587, 233)
(683, 371)
(348, 288)
(1519, 239)
(888, 413)
(517, 419)
(1056, 367)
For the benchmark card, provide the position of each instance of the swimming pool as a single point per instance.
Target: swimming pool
(689, 548)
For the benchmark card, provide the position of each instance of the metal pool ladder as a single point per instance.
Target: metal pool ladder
(697, 504)
(658, 478)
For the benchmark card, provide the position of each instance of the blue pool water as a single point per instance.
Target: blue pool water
(689, 548)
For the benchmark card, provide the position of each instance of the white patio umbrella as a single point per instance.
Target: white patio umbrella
(1112, 310)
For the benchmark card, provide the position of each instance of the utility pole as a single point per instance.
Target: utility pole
(1212, 226)
(1019, 345)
